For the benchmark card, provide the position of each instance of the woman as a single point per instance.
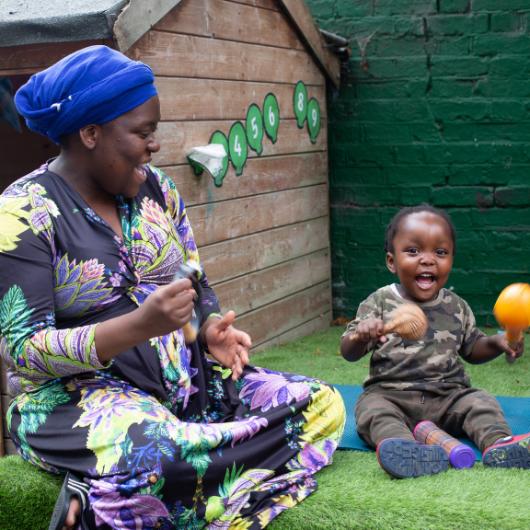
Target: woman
(151, 432)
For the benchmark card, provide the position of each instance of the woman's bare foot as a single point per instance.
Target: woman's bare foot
(73, 514)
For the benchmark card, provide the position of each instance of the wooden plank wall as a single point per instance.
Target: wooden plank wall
(5, 441)
(263, 236)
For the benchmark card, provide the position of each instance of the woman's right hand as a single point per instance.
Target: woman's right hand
(168, 308)
(164, 310)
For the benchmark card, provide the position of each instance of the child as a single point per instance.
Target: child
(411, 381)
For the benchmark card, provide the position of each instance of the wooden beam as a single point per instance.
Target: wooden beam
(265, 4)
(224, 20)
(257, 289)
(10, 447)
(319, 323)
(178, 55)
(261, 175)
(244, 255)
(279, 317)
(221, 221)
(216, 99)
(178, 138)
(31, 58)
(137, 18)
(301, 17)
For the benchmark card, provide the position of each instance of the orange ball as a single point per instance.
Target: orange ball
(512, 308)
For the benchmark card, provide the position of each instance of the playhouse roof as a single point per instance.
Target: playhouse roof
(125, 21)
(25, 22)
(29, 22)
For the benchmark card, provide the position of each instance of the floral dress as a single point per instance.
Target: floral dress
(162, 435)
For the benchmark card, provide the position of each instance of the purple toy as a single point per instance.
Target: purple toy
(460, 455)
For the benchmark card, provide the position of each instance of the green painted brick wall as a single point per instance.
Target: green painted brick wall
(435, 107)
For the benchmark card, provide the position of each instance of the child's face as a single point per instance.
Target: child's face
(423, 255)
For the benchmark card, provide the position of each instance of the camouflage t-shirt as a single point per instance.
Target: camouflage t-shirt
(432, 363)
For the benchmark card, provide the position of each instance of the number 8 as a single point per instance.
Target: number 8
(300, 102)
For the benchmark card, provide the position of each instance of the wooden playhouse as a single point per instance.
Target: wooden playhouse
(249, 74)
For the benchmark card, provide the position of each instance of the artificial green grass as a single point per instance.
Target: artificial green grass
(354, 493)
(27, 495)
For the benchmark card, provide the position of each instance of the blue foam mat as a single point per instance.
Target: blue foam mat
(516, 410)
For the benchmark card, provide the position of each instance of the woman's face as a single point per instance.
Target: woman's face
(124, 146)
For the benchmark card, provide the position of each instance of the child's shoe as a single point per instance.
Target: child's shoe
(512, 451)
(403, 458)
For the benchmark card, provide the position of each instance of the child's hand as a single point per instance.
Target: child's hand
(513, 351)
(369, 329)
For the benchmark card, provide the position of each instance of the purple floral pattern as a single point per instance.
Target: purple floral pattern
(80, 287)
(112, 506)
(163, 436)
(274, 390)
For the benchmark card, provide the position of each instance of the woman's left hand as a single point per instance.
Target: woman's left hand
(227, 345)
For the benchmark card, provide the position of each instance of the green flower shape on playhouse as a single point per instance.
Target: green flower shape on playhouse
(300, 103)
(212, 157)
(271, 116)
(313, 119)
(238, 147)
(254, 125)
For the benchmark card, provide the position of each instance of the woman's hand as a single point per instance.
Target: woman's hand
(227, 345)
(168, 308)
(163, 311)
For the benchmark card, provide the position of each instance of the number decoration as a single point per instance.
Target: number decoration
(219, 138)
(300, 103)
(254, 126)
(250, 133)
(238, 147)
(271, 116)
(313, 119)
(209, 157)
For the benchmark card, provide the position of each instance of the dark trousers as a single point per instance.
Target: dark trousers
(470, 412)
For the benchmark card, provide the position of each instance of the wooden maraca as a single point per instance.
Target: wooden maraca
(192, 271)
(512, 311)
(407, 320)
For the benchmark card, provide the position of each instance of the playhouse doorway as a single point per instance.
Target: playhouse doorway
(22, 150)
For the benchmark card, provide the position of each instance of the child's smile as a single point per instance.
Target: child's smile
(423, 255)
(425, 280)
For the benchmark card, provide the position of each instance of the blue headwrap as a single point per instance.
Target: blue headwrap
(91, 86)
